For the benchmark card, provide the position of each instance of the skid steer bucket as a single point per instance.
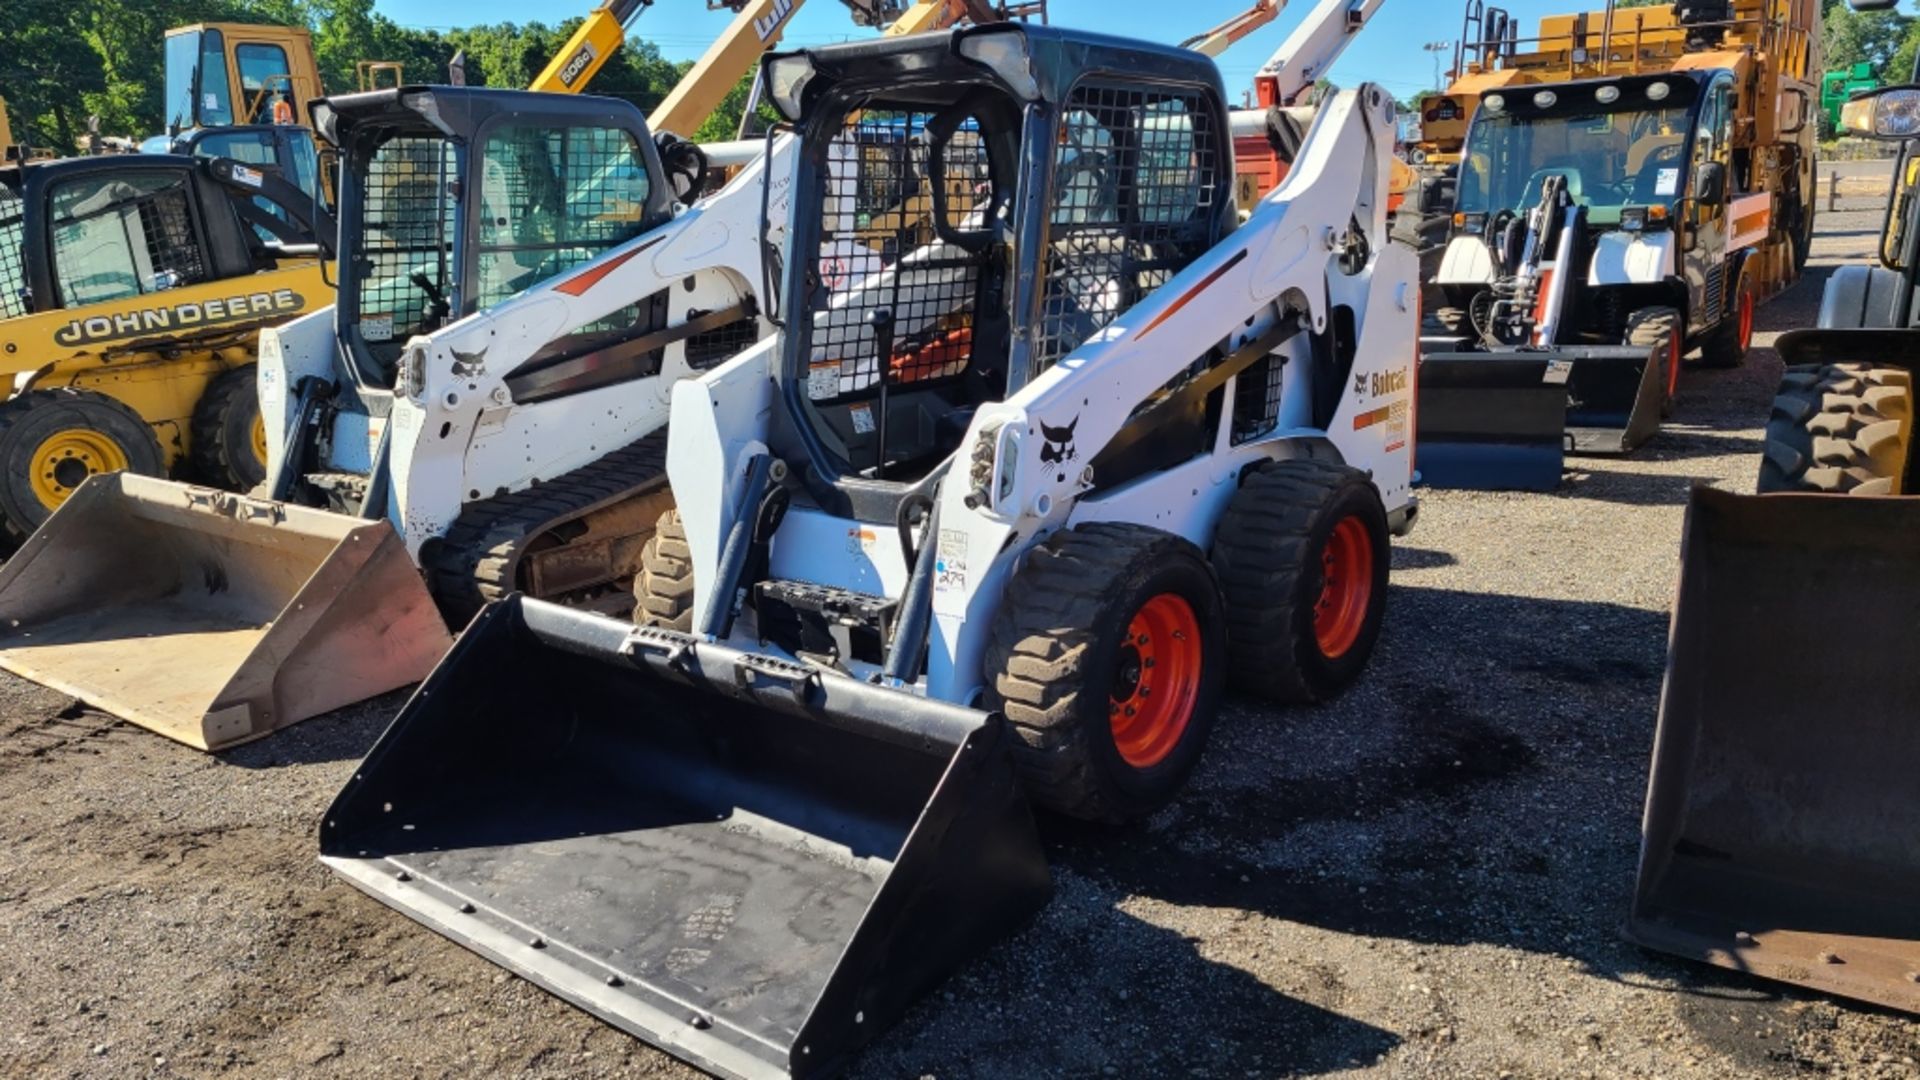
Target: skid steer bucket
(213, 618)
(1491, 422)
(1613, 398)
(1782, 809)
(748, 864)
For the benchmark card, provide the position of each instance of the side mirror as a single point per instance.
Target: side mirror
(1873, 5)
(1711, 190)
(1889, 113)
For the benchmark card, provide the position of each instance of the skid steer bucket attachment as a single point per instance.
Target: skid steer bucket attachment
(748, 864)
(1782, 809)
(213, 618)
(1613, 398)
(1491, 422)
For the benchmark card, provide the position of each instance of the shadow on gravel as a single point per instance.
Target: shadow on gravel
(1493, 797)
(1097, 993)
(1633, 489)
(1413, 558)
(342, 735)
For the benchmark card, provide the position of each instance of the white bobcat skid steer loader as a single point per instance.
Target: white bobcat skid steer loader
(1019, 502)
(475, 385)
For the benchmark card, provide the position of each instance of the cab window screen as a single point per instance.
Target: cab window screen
(121, 236)
(13, 279)
(551, 199)
(408, 220)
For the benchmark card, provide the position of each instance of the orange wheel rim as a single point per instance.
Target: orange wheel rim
(1346, 590)
(1746, 320)
(1157, 682)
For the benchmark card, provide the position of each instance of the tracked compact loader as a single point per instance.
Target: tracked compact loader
(1781, 811)
(1012, 502)
(473, 386)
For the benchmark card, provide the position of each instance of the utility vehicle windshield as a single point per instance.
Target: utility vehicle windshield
(1628, 152)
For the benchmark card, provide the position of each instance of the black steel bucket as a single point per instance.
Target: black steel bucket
(1491, 421)
(1614, 395)
(755, 867)
(1782, 809)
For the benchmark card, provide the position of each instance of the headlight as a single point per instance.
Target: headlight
(1633, 219)
(1659, 92)
(786, 78)
(1495, 103)
(1545, 99)
(1607, 95)
(1005, 52)
(1888, 114)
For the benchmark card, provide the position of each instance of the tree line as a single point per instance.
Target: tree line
(62, 62)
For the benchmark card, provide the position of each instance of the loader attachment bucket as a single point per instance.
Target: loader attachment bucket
(1779, 836)
(1613, 398)
(209, 617)
(1490, 421)
(748, 864)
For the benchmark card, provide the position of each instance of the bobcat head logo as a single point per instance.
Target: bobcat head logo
(1059, 448)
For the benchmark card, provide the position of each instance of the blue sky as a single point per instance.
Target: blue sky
(1388, 52)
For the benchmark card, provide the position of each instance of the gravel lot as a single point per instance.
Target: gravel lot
(1424, 879)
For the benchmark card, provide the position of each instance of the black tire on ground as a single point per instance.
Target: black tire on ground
(1271, 552)
(29, 426)
(1840, 429)
(1726, 345)
(663, 589)
(1062, 659)
(223, 431)
(1659, 328)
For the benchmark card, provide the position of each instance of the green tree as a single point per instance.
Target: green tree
(1877, 38)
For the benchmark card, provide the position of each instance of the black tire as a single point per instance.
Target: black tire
(1841, 429)
(1726, 345)
(1270, 553)
(1061, 647)
(1659, 328)
(29, 421)
(663, 589)
(223, 431)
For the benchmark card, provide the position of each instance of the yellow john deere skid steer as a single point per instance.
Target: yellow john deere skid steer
(1782, 809)
(131, 288)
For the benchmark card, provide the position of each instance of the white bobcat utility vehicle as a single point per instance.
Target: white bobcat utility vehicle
(1005, 509)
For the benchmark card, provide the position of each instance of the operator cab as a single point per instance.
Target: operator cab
(1644, 164)
(938, 169)
(96, 230)
(459, 198)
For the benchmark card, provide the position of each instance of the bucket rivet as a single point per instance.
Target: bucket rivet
(1830, 958)
(537, 943)
(1913, 976)
(615, 980)
(1744, 938)
(466, 909)
(860, 1017)
(1148, 662)
(700, 1021)
(1142, 639)
(1130, 710)
(404, 876)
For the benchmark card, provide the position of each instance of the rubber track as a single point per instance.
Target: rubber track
(1839, 429)
(478, 559)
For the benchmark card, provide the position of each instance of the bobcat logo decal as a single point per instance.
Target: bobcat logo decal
(1059, 448)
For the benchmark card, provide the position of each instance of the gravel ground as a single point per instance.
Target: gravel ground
(1424, 879)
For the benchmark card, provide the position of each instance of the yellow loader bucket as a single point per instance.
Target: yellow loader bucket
(209, 617)
(1782, 809)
